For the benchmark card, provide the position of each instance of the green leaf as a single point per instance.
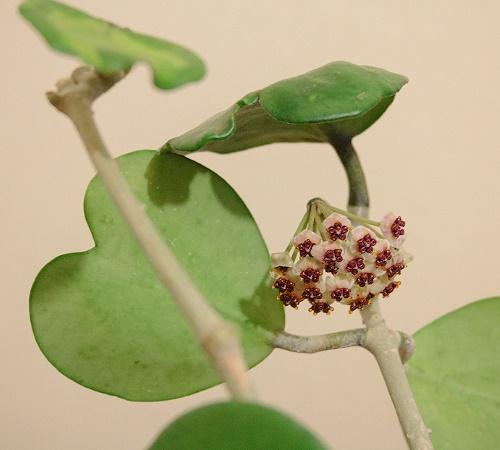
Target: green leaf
(335, 102)
(110, 48)
(102, 318)
(236, 426)
(455, 377)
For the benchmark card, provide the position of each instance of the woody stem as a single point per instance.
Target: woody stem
(74, 97)
(381, 341)
(334, 341)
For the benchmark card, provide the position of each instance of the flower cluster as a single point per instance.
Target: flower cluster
(341, 263)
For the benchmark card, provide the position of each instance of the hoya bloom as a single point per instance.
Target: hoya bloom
(392, 227)
(292, 299)
(390, 287)
(346, 264)
(309, 270)
(320, 307)
(339, 289)
(364, 279)
(284, 284)
(318, 298)
(289, 287)
(363, 240)
(305, 241)
(337, 226)
(330, 254)
(381, 254)
(312, 293)
(359, 303)
(286, 281)
(398, 262)
(281, 263)
(352, 264)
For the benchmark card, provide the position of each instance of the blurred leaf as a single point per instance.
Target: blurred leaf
(235, 426)
(455, 375)
(336, 101)
(102, 318)
(108, 47)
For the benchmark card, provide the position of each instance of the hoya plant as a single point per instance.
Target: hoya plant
(146, 314)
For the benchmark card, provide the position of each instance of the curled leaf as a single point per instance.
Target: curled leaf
(336, 101)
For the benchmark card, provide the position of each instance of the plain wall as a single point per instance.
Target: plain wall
(433, 158)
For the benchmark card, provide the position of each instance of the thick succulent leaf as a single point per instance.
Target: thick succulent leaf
(455, 375)
(233, 426)
(336, 101)
(102, 318)
(110, 48)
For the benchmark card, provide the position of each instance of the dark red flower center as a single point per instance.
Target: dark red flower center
(366, 244)
(289, 299)
(383, 257)
(318, 307)
(354, 265)
(312, 294)
(397, 227)
(305, 248)
(360, 303)
(365, 278)
(310, 275)
(389, 289)
(284, 284)
(337, 231)
(395, 269)
(341, 293)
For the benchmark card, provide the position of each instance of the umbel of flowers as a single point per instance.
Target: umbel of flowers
(330, 260)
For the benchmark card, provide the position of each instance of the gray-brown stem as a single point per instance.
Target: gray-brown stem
(74, 97)
(320, 343)
(333, 341)
(381, 341)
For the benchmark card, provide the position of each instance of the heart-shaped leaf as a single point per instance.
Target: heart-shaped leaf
(455, 375)
(236, 426)
(102, 318)
(335, 102)
(108, 47)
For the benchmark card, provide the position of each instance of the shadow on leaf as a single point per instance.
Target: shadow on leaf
(160, 173)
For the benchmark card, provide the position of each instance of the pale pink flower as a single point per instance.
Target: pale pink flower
(337, 226)
(363, 240)
(305, 241)
(381, 254)
(398, 262)
(352, 264)
(330, 254)
(339, 289)
(392, 227)
(309, 269)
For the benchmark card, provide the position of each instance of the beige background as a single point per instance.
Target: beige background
(434, 157)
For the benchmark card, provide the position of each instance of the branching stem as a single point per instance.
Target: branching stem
(320, 343)
(381, 341)
(333, 341)
(74, 97)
